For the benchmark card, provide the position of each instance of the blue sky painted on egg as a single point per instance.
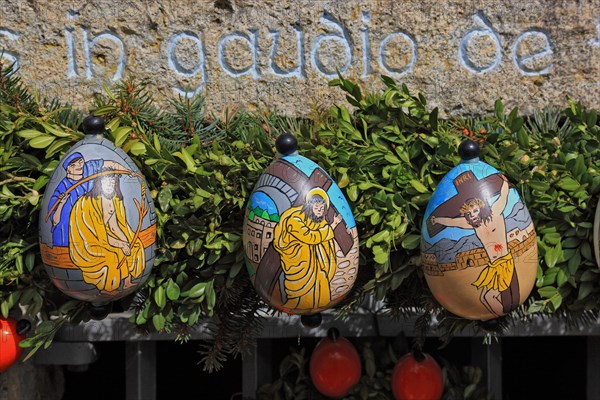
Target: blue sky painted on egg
(446, 190)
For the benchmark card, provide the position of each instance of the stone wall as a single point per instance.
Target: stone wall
(29, 381)
(281, 54)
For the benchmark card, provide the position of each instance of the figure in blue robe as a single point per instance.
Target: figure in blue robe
(76, 169)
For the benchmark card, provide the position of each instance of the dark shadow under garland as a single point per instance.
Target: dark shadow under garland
(378, 357)
(387, 151)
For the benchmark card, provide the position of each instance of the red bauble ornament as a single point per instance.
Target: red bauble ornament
(335, 365)
(417, 376)
(9, 343)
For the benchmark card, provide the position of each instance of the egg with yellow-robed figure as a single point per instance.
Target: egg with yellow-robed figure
(300, 238)
(97, 222)
(478, 243)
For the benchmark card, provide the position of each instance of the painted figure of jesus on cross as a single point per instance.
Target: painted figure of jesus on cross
(469, 209)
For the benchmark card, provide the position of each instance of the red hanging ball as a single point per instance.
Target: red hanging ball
(417, 376)
(335, 365)
(9, 343)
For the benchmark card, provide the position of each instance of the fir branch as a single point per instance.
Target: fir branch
(449, 325)
(422, 327)
(13, 91)
(65, 114)
(190, 115)
(134, 105)
(237, 324)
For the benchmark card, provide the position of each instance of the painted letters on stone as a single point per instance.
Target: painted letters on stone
(525, 54)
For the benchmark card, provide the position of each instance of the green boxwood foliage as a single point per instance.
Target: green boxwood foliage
(387, 151)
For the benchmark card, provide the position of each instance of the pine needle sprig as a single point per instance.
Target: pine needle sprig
(64, 113)
(133, 103)
(190, 115)
(13, 91)
(237, 323)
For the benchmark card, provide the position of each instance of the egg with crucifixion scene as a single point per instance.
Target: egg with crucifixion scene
(299, 235)
(478, 244)
(97, 221)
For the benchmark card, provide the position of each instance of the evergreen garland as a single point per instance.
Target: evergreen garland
(237, 324)
(387, 153)
(13, 91)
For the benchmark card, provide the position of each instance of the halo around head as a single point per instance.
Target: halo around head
(314, 191)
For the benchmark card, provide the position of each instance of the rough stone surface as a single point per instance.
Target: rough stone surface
(463, 55)
(28, 381)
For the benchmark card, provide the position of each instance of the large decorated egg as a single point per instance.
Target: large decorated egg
(300, 238)
(478, 245)
(97, 221)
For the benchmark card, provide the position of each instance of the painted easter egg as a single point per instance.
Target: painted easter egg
(97, 221)
(12, 332)
(478, 244)
(299, 235)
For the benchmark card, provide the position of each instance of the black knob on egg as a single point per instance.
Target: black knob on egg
(93, 125)
(468, 150)
(286, 144)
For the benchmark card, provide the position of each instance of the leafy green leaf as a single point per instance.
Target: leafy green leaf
(164, 198)
(553, 255)
(29, 133)
(418, 186)
(158, 320)
(172, 290)
(121, 134)
(197, 290)
(547, 291)
(184, 156)
(499, 108)
(160, 297)
(42, 141)
(569, 184)
(411, 242)
(138, 148)
(585, 289)
(55, 130)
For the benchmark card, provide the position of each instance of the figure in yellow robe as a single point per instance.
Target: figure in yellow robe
(305, 241)
(100, 238)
